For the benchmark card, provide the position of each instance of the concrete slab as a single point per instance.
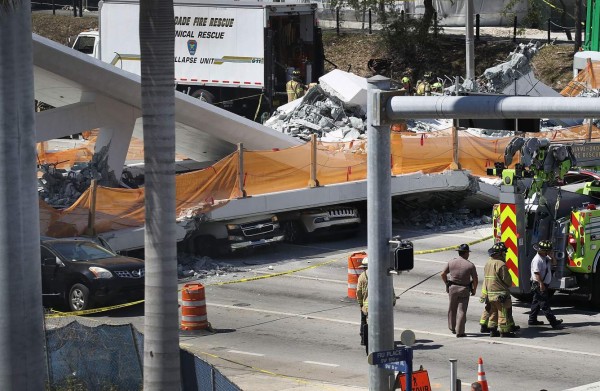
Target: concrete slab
(91, 94)
(337, 194)
(348, 87)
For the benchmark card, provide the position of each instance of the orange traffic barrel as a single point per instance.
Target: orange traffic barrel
(193, 308)
(354, 270)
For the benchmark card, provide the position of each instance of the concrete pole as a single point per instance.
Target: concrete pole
(470, 47)
(453, 374)
(379, 222)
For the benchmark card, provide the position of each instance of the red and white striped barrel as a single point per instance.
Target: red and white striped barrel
(193, 308)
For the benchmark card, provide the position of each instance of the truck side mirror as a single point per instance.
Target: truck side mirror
(404, 259)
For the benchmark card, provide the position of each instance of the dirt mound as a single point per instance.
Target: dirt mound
(60, 28)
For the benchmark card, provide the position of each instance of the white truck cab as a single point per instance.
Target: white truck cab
(88, 42)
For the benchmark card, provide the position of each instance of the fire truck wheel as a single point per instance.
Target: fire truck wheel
(204, 96)
(595, 299)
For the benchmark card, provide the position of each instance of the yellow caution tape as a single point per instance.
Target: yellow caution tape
(273, 274)
(59, 314)
(437, 250)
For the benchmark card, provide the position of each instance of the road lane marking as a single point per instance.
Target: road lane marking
(320, 363)
(445, 335)
(246, 353)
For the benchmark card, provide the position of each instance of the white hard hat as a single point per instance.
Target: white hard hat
(365, 262)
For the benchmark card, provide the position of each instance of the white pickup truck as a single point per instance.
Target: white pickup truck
(214, 238)
(302, 225)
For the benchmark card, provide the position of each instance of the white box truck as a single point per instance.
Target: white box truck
(235, 54)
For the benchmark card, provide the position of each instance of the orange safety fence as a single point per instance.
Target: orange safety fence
(273, 171)
(83, 154)
(587, 78)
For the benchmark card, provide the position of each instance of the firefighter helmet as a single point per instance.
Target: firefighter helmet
(497, 248)
(296, 73)
(543, 245)
(463, 247)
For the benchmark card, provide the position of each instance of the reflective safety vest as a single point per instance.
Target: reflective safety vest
(294, 90)
(497, 279)
(424, 88)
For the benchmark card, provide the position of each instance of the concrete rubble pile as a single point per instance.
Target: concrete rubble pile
(61, 188)
(322, 113)
(496, 79)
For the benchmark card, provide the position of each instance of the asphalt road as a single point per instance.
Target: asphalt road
(290, 325)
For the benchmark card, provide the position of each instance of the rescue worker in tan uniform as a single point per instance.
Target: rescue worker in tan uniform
(461, 283)
(496, 283)
(294, 88)
(362, 296)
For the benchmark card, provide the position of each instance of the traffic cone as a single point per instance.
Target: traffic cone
(481, 376)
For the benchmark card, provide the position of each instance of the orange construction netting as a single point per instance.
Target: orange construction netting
(586, 79)
(273, 171)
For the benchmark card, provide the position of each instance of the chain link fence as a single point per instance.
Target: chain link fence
(106, 357)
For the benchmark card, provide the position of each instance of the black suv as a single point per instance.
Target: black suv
(82, 273)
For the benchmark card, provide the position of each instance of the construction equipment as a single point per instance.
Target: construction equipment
(535, 206)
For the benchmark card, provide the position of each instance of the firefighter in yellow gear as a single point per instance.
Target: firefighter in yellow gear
(294, 88)
(496, 296)
(423, 86)
(437, 87)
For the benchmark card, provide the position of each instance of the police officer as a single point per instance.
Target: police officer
(541, 275)
(295, 88)
(462, 282)
(496, 283)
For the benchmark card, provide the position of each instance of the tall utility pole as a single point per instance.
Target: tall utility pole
(469, 41)
(578, 6)
(379, 224)
(21, 325)
(161, 331)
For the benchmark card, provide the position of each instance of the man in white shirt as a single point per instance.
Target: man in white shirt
(541, 275)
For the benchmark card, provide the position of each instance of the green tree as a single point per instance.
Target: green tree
(161, 334)
(410, 43)
(21, 328)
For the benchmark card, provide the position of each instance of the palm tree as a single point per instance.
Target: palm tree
(161, 335)
(21, 324)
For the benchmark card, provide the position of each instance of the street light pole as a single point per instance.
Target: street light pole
(379, 224)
